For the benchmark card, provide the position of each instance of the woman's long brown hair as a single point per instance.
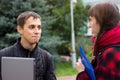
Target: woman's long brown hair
(107, 15)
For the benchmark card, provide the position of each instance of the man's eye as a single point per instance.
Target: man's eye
(31, 27)
(39, 27)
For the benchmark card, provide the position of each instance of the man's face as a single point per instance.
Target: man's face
(31, 31)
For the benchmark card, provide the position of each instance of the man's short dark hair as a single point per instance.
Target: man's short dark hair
(25, 15)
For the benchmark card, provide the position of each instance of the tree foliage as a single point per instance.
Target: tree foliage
(10, 9)
(63, 17)
(62, 26)
(56, 21)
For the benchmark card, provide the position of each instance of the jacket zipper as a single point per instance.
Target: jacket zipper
(28, 54)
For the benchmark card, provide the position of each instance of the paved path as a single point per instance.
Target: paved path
(67, 78)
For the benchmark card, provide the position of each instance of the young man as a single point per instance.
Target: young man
(29, 27)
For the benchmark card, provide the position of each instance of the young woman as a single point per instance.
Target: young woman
(104, 22)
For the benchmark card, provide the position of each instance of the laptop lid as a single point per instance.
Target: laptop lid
(17, 68)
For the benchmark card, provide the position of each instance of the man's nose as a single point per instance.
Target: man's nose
(37, 30)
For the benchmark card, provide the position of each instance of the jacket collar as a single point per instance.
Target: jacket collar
(26, 51)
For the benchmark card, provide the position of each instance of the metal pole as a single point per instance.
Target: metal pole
(72, 35)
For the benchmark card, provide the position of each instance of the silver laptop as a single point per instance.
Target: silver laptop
(17, 68)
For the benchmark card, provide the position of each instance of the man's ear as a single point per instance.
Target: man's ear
(19, 29)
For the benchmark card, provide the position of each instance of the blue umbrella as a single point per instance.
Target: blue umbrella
(88, 67)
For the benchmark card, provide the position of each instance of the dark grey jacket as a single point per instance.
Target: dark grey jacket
(43, 60)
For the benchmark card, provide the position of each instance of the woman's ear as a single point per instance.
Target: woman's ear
(19, 29)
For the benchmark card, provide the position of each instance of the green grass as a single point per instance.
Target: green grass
(65, 69)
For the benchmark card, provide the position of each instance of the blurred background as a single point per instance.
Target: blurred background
(56, 22)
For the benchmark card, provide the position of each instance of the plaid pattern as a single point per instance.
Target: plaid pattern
(106, 66)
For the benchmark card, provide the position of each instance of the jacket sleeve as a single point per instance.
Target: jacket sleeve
(107, 67)
(82, 76)
(0, 65)
(50, 75)
(2, 53)
(5, 52)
